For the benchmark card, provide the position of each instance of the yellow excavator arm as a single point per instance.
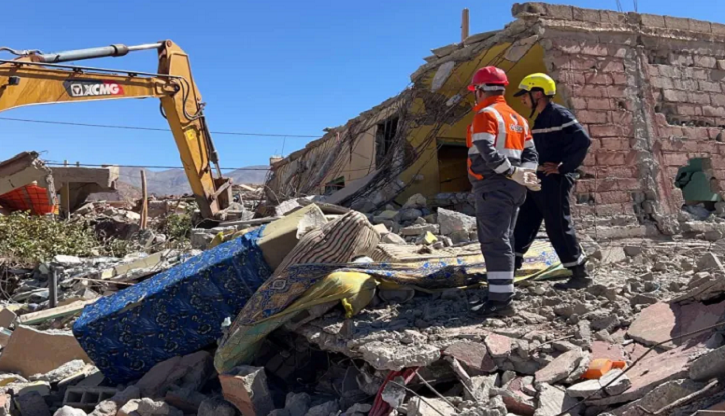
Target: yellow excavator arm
(37, 78)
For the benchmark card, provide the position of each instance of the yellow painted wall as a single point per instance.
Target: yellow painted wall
(460, 77)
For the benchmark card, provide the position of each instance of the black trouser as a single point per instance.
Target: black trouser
(552, 205)
(497, 206)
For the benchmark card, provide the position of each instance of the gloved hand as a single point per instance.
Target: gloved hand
(527, 178)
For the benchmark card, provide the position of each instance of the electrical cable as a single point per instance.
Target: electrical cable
(120, 127)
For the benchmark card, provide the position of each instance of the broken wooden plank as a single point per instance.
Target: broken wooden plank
(59, 312)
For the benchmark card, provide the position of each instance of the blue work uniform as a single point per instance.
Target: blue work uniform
(559, 139)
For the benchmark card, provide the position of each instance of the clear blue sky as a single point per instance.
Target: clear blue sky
(290, 67)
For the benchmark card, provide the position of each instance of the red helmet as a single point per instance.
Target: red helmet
(488, 75)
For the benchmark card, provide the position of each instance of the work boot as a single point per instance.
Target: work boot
(518, 263)
(490, 309)
(579, 279)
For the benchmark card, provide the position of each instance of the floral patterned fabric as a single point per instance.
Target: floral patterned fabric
(176, 312)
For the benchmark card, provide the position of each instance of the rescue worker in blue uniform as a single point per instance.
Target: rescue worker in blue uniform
(501, 166)
(562, 144)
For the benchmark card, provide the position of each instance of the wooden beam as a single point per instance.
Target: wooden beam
(48, 314)
(144, 201)
(464, 25)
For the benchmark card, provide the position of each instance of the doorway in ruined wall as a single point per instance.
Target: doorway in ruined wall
(452, 167)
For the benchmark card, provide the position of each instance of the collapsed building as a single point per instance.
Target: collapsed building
(647, 88)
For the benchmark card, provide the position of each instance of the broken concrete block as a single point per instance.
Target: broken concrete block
(429, 407)
(40, 387)
(452, 221)
(394, 393)
(610, 255)
(30, 351)
(32, 404)
(325, 409)
(246, 388)
(708, 365)
(419, 230)
(87, 398)
(499, 346)
(148, 407)
(5, 402)
(553, 401)
(383, 356)
(416, 201)
(191, 371)
(297, 404)
(69, 411)
(185, 399)
(216, 407)
(619, 386)
(392, 238)
(387, 215)
(661, 396)
(130, 408)
(473, 355)
(709, 262)
(123, 397)
(561, 367)
(61, 372)
(584, 389)
(107, 408)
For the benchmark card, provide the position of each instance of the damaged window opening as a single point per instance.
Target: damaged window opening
(700, 188)
(334, 185)
(384, 137)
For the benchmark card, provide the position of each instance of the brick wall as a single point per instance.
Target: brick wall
(650, 103)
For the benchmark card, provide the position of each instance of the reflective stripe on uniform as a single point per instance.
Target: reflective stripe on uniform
(512, 153)
(529, 165)
(553, 129)
(500, 142)
(503, 167)
(484, 136)
(494, 288)
(528, 144)
(576, 262)
(473, 150)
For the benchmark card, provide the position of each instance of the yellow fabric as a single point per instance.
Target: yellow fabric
(223, 238)
(539, 80)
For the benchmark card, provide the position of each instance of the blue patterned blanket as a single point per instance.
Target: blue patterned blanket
(176, 312)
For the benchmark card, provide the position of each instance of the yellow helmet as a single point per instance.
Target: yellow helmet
(538, 80)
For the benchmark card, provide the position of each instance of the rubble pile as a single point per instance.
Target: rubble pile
(311, 319)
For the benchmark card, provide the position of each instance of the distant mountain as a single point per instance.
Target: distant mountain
(174, 181)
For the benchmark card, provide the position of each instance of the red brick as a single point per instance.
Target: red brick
(669, 71)
(615, 143)
(662, 82)
(696, 133)
(617, 51)
(705, 61)
(591, 91)
(596, 144)
(675, 159)
(678, 145)
(698, 97)
(620, 117)
(718, 163)
(584, 186)
(592, 117)
(617, 171)
(689, 110)
(600, 104)
(578, 103)
(719, 174)
(708, 147)
(661, 119)
(675, 96)
(612, 197)
(653, 70)
(499, 346)
(612, 66)
(713, 132)
(720, 148)
(695, 73)
(717, 99)
(710, 86)
(678, 59)
(590, 160)
(616, 91)
(598, 78)
(631, 184)
(711, 111)
(686, 84)
(614, 158)
(619, 79)
(604, 210)
(611, 130)
(669, 131)
(473, 354)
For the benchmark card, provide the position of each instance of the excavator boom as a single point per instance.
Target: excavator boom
(37, 78)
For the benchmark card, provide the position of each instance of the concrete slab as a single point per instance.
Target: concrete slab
(30, 351)
(82, 182)
(662, 321)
